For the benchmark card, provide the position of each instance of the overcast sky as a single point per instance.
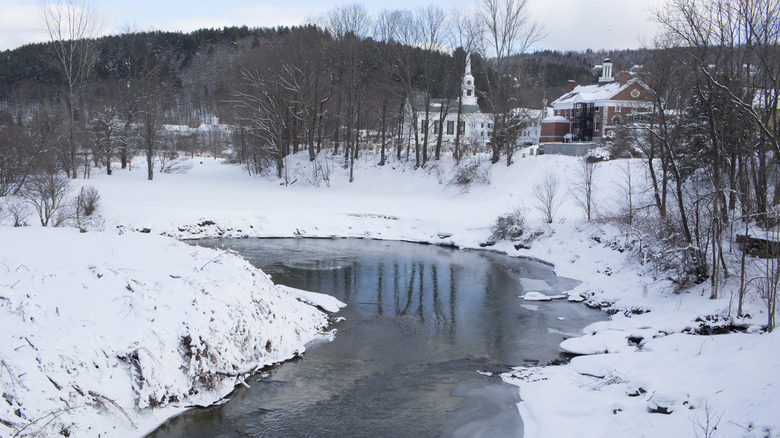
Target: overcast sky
(568, 24)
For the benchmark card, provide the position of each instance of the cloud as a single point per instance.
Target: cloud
(268, 15)
(20, 24)
(595, 24)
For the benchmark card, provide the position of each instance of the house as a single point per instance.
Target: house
(589, 113)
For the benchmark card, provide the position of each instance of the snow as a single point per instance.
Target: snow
(590, 93)
(538, 296)
(68, 314)
(100, 327)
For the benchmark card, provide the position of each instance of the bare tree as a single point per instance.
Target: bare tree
(106, 128)
(509, 32)
(546, 195)
(72, 26)
(45, 191)
(264, 103)
(24, 145)
(431, 22)
(349, 24)
(583, 193)
(386, 30)
(150, 128)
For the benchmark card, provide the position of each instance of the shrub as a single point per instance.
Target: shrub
(509, 226)
(87, 201)
(472, 173)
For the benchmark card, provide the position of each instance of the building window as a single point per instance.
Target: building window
(617, 120)
(468, 92)
(462, 127)
(597, 124)
(450, 127)
(490, 125)
(435, 127)
(423, 125)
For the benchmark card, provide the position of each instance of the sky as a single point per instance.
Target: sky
(567, 24)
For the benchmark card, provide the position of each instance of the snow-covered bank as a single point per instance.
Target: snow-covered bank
(645, 339)
(678, 385)
(108, 335)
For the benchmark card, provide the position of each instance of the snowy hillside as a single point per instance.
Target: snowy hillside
(100, 327)
(647, 372)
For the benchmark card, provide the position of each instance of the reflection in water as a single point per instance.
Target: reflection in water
(421, 321)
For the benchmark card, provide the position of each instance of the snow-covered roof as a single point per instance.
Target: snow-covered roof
(590, 93)
(596, 92)
(554, 119)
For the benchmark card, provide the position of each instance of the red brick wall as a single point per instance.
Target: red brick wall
(553, 132)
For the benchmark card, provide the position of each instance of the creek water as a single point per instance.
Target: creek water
(425, 332)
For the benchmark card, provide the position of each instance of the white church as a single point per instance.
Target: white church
(475, 126)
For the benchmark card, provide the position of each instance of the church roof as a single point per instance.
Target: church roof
(436, 104)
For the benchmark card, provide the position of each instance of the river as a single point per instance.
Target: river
(424, 334)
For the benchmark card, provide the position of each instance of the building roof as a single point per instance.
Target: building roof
(590, 93)
(555, 119)
(435, 105)
(596, 92)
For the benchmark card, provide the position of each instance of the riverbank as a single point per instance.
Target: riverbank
(108, 334)
(398, 202)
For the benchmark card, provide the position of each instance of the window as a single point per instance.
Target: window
(597, 124)
(462, 127)
(468, 92)
(423, 125)
(490, 125)
(617, 120)
(435, 127)
(450, 127)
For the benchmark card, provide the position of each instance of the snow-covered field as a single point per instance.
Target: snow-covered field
(83, 313)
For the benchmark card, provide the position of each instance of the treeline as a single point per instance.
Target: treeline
(340, 84)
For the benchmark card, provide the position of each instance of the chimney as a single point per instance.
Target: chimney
(623, 78)
(572, 84)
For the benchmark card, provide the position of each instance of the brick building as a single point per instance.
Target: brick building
(590, 112)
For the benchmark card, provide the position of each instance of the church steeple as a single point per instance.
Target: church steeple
(469, 96)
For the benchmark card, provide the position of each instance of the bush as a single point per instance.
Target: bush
(597, 155)
(509, 226)
(87, 201)
(472, 173)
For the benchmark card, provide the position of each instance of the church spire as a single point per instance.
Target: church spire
(469, 92)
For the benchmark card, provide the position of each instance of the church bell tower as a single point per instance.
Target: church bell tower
(469, 91)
